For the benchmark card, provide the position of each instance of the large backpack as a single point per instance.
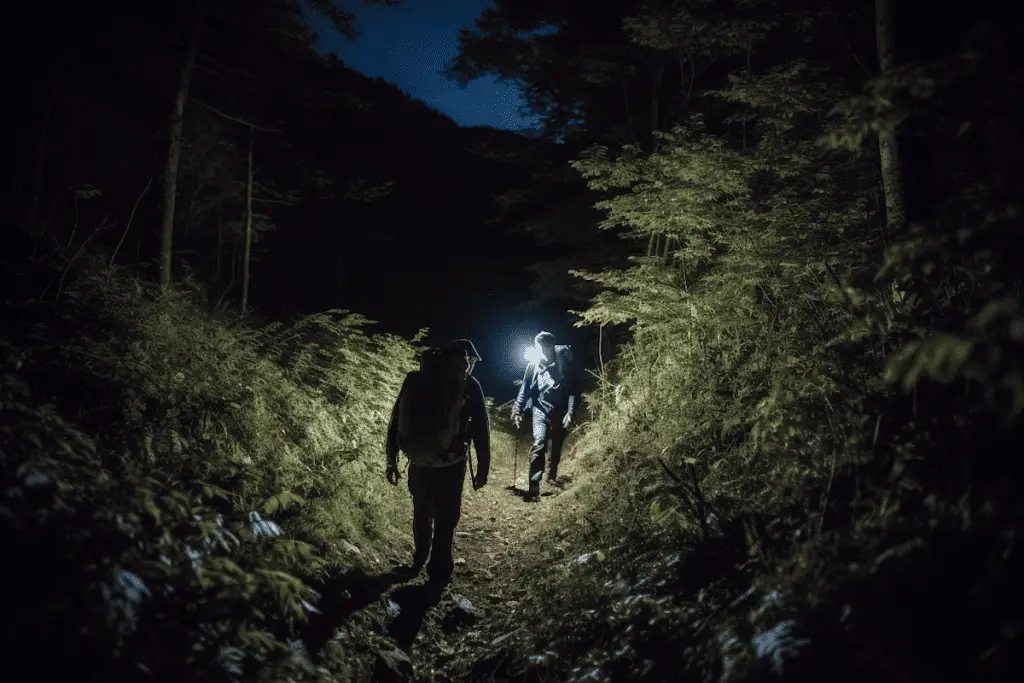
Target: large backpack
(563, 355)
(430, 410)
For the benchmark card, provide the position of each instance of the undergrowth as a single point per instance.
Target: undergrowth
(804, 465)
(173, 480)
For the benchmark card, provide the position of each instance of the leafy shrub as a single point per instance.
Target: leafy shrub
(115, 564)
(811, 441)
(738, 364)
(166, 506)
(261, 413)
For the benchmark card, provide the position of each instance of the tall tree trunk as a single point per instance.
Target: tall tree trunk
(687, 84)
(888, 150)
(651, 242)
(32, 215)
(629, 112)
(220, 242)
(174, 148)
(655, 114)
(191, 214)
(247, 251)
(682, 84)
(748, 77)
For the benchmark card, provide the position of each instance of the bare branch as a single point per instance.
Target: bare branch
(220, 65)
(672, 475)
(225, 67)
(268, 200)
(130, 217)
(234, 118)
(846, 42)
(60, 285)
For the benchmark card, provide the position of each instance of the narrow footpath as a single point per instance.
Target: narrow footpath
(481, 604)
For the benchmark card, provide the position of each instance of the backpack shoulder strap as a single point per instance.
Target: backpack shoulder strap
(531, 375)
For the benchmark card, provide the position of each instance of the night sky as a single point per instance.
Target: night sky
(411, 44)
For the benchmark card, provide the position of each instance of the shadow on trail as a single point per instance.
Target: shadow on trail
(517, 492)
(413, 603)
(549, 489)
(345, 594)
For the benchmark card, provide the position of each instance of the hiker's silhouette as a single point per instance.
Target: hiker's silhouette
(412, 603)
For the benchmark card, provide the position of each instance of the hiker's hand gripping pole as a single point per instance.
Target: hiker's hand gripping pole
(515, 461)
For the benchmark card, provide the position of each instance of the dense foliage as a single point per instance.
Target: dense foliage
(165, 509)
(813, 408)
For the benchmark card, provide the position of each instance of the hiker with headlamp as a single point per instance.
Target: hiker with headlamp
(549, 389)
(439, 411)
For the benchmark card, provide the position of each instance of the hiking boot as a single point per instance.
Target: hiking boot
(533, 494)
(439, 576)
(413, 568)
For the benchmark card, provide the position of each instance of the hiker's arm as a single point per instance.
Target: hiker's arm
(573, 389)
(480, 425)
(392, 443)
(525, 390)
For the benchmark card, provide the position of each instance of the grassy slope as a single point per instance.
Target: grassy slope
(889, 583)
(154, 398)
(782, 509)
(140, 428)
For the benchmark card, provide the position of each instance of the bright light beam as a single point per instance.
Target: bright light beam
(532, 354)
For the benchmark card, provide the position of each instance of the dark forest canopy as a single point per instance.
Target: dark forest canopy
(363, 198)
(366, 199)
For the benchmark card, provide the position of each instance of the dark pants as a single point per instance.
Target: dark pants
(546, 427)
(436, 508)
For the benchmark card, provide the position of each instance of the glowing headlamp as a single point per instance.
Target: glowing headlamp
(532, 354)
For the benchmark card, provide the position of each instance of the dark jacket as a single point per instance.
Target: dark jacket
(476, 428)
(549, 386)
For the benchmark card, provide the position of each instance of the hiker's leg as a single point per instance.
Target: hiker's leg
(538, 451)
(557, 431)
(420, 486)
(447, 510)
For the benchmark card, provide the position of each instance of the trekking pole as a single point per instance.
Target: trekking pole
(515, 461)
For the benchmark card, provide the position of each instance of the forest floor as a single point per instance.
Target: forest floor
(443, 633)
(495, 531)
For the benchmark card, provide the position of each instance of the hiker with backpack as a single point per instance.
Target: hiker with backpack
(549, 389)
(439, 411)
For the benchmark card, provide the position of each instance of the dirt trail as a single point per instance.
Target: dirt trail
(496, 524)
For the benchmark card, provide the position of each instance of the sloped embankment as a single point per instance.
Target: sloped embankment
(168, 473)
(891, 582)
